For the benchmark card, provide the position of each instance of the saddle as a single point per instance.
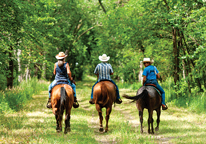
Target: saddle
(61, 82)
(106, 80)
(153, 85)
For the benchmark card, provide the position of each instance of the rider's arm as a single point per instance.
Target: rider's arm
(69, 72)
(144, 79)
(158, 76)
(54, 72)
(97, 76)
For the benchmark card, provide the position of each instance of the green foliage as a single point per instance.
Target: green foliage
(2, 82)
(15, 99)
(127, 32)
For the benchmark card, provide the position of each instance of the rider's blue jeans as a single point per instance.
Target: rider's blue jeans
(158, 87)
(117, 89)
(54, 82)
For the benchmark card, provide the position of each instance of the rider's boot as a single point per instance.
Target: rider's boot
(164, 107)
(49, 103)
(118, 101)
(91, 101)
(75, 104)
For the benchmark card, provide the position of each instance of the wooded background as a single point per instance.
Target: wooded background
(172, 32)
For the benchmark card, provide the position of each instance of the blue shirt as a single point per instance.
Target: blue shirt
(61, 72)
(104, 70)
(149, 72)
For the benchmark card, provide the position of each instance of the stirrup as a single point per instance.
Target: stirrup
(118, 101)
(76, 104)
(49, 105)
(164, 107)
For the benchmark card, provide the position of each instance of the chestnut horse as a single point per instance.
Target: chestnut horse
(148, 97)
(62, 98)
(104, 96)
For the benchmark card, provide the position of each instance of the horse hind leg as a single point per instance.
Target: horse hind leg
(67, 121)
(141, 120)
(108, 111)
(158, 118)
(59, 117)
(100, 117)
(150, 121)
(58, 128)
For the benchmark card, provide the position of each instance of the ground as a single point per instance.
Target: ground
(36, 124)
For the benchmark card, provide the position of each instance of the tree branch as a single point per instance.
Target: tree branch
(100, 2)
(166, 5)
(85, 32)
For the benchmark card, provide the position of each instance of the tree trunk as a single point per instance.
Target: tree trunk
(10, 76)
(28, 75)
(20, 77)
(44, 67)
(197, 80)
(176, 55)
(140, 78)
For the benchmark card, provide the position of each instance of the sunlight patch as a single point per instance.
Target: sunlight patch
(43, 114)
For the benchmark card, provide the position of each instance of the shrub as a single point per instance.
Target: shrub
(15, 98)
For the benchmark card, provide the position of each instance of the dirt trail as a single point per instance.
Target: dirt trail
(176, 123)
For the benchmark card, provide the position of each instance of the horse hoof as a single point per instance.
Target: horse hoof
(67, 130)
(58, 130)
(101, 129)
(106, 130)
(150, 132)
(157, 128)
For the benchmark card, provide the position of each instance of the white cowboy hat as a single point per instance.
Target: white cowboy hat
(61, 55)
(147, 60)
(104, 58)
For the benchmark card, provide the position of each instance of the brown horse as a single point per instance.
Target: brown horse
(62, 98)
(104, 96)
(148, 97)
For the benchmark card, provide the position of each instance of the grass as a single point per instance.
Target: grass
(36, 124)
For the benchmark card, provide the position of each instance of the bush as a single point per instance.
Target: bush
(14, 99)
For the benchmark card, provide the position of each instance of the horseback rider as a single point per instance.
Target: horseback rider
(150, 75)
(62, 75)
(103, 71)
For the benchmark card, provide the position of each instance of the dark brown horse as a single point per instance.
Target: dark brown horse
(148, 97)
(104, 96)
(62, 99)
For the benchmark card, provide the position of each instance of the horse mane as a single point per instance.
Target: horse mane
(140, 96)
(103, 98)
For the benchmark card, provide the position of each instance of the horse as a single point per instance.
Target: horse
(104, 95)
(62, 99)
(148, 97)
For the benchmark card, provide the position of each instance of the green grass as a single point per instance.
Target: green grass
(36, 124)
(14, 99)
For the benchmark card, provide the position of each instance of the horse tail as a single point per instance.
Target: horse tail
(142, 95)
(63, 99)
(103, 98)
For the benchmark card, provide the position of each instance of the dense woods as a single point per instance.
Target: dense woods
(172, 32)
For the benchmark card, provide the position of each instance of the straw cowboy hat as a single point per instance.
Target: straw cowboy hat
(104, 58)
(61, 55)
(147, 60)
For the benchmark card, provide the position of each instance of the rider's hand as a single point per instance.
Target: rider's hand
(73, 81)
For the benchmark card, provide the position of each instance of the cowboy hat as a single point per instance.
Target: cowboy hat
(104, 58)
(147, 60)
(61, 55)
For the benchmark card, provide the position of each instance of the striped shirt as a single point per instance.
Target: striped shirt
(104, 70)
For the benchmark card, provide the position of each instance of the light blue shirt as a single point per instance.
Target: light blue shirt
(149, 72)
(104, 70)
